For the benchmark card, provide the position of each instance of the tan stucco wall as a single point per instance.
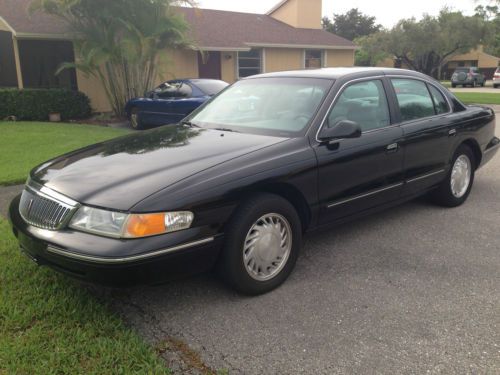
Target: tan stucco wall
(300, 13)
(279, 59)
(228, 66)
(176, 64)
(93, 88)
(3, 26)
(337, 58)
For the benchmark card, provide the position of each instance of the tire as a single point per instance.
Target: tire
(241, 259)
(135, 119)
(444, 195)
(495, 86)
(453, 85)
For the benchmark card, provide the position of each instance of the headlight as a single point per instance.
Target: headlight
(121, 225)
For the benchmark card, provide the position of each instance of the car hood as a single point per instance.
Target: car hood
(119, 173)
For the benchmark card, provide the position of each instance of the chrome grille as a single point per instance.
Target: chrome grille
(43, 211)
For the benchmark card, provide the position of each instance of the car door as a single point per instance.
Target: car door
(427, 123)
(359, 173)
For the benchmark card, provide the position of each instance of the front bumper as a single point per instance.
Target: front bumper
(117, 262)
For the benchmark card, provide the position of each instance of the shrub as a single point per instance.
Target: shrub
(36, 104)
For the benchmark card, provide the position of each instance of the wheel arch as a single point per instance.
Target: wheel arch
(476, 150)
(288, 192)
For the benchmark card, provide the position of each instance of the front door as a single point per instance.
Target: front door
(209, 65)
(360, 173)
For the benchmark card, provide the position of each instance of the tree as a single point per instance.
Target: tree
(351, 25)
(491, 15)
(120, 42)
(369, 52)
(425, 45)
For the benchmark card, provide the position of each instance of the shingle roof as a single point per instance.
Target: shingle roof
(223, 29)
(210, 28)
(15, 13)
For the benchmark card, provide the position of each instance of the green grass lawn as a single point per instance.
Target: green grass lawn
(23, 145)
(478, 98)
(50, 324)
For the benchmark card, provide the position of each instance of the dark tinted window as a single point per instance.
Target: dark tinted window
(440, 102)
(413, 98)
(211, 87)
(364, 103)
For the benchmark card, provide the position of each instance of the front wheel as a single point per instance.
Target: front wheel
(263, 240)
(456, 187)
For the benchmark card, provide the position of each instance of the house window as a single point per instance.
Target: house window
(313, 59)
(249, 63)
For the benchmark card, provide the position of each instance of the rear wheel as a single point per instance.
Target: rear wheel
(453, 85)
(263, 241)
(135, 119)
(456, 187)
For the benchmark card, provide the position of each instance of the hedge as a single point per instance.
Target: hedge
(36, 104)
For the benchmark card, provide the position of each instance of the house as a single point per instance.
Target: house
(476, 57)
(232, 45)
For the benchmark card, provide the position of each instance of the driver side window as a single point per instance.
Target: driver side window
(364, 103)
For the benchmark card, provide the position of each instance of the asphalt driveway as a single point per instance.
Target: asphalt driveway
(415, 289)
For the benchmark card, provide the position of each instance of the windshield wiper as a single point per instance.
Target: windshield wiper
(226, 130)
(190, 124)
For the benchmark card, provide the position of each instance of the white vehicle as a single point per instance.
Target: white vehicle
(496, 78)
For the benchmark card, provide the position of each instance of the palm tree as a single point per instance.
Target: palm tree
(121, 42)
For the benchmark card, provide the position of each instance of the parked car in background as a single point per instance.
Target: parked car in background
(468, 76)
(496, 78)
(240, 180)
(171, 101)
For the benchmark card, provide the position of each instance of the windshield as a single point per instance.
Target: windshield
(271, 106)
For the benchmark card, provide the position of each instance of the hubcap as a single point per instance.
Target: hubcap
(134, 119)
(267, 247)
(460, 176)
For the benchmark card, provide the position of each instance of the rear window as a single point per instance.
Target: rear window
(211, 87)
(458, 70)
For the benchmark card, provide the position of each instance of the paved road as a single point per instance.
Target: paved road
(412, 290)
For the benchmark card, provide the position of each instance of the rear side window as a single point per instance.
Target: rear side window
(440, 102)
(364, 103)
(414, 99)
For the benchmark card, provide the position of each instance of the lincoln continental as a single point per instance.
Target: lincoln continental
(237, 184)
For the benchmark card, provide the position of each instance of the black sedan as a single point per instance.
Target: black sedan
(238, 182)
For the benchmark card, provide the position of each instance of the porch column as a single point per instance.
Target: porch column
(20, 83)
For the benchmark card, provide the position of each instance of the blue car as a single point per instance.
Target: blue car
(170, 102)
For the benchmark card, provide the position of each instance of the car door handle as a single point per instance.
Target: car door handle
(452, 132)
(393, 147)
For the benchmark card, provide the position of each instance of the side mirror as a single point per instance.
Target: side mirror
(342, 129)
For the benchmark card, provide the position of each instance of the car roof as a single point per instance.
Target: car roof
(337, 73)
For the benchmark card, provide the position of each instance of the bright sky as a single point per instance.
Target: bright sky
(388, 12)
